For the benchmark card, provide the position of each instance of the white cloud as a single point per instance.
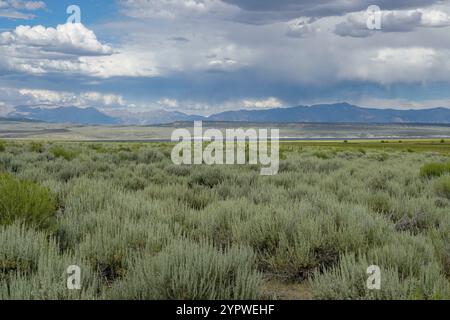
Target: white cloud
(126, 63)
(173, 9)
(22, 4)
(435, 18)
(170, 103)
(20, 9)
(402, 104)
(355, 24)
(71, 39)
(271, 102)
(68, 49)
(51, 98)
(301, 28)
(225, 64)
(101, 99)
(397, 65)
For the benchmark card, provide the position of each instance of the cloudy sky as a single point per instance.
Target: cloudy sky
(205, 56)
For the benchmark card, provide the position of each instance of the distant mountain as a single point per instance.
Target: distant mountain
(7, 119)
(63, 115)
(153, 117)
(93, 116)
(340, 112)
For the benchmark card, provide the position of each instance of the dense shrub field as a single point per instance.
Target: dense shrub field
(140, 227)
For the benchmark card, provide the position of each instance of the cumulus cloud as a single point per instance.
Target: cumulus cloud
(70, 38)
(435, 18)
(393, 21)
(169, 103)
(20, 9)
(51, 98)
(126, 63)
(271, 102)
(172, 9)
(67, 49)
(13, 97)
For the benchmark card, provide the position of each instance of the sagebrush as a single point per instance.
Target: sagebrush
(142, 228)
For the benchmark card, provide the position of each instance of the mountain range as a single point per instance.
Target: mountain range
(340, 112)
(336, 113)
(63, 115)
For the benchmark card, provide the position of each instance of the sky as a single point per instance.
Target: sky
(208, 56)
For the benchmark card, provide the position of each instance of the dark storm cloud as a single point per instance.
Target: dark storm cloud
(267, 11)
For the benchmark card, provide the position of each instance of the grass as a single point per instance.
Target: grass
(442, 187)
(36, 146)
(142, 228)
(60, 152)
(435, 169)
(25, 201)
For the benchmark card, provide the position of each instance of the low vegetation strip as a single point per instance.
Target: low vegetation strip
(140, 227)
